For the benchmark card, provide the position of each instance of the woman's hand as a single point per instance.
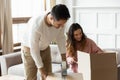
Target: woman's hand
(70, 60)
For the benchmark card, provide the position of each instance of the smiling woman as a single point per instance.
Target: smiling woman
(78, 41)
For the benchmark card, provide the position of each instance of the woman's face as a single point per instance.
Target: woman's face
(78, 35)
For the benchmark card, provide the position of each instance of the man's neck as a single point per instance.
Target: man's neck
(47, 19)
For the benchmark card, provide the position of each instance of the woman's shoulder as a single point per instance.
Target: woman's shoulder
(89, 40)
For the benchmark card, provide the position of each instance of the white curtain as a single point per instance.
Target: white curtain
(49, 4)
(6, 26)
(61, 1)
(53, 2)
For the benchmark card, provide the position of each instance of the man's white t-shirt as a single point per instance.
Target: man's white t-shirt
(39, 35)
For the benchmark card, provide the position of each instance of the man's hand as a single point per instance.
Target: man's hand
(43, 73)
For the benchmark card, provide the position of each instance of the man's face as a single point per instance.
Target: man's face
(58, 24)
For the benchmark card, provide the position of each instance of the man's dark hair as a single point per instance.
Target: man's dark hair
(60, 11)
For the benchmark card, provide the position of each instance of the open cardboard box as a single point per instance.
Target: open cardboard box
(97, 66)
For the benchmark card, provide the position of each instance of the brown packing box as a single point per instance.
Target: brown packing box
(97, 66)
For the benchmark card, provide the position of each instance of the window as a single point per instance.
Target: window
(22, 10)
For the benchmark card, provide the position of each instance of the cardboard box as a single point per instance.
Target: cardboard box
(97, 66)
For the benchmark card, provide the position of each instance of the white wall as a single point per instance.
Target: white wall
(99, 19)
(98, 3)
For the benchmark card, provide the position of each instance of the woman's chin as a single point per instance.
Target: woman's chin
(78, 40)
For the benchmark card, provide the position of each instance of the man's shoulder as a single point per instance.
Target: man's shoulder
(36, 17)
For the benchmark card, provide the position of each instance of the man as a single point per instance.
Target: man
(41, 31)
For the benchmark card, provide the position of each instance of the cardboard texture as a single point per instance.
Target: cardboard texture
(97, 66)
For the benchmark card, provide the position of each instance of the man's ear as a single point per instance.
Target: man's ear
(51, 17)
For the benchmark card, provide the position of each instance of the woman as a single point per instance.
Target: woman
(77, 40)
